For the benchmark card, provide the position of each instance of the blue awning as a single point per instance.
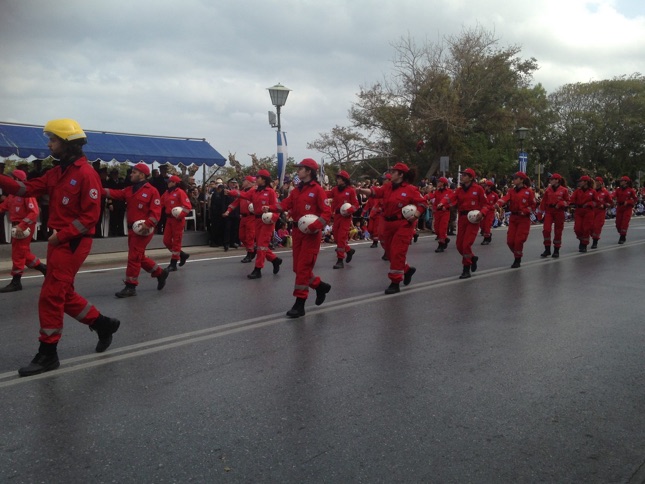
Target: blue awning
(27, 140)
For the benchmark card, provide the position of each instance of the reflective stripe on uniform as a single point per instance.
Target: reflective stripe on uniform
(79, 226)
(22, 189)
(51, 331)
(81, 316)
(300, 288)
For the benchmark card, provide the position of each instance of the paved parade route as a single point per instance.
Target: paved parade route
(516, 375)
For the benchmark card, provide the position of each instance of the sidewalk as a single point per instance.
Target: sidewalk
(162, 256)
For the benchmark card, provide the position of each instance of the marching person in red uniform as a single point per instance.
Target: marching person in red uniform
(173, 232)
(553, 204)
(23, 214)
(486, 224)
(397, 230)
(247, 220)
(307, 198)
(143, 203)
(604, 201)
(372, 209)
(74, 190)
(264, 200)
(625, 198)
(584, 198)
(342, 193)
(441, 212)
(467, 197)
(521, 203)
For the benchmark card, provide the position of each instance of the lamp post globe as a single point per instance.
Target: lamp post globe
(279, 95)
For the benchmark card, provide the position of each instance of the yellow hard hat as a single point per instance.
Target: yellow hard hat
(66, 129)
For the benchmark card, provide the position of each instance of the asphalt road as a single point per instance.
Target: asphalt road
(515, 375)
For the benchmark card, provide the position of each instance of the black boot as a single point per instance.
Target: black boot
(105, 327)
(547, 251)
(183, 257)
(583, 248)
(45, 360)
(407, 277)
(339, 264)
(473, 266)
(276, 264)
(594, 244)
(128, 291)
(173, 266)
(248, 258)
(622, 239)
(256, 274)
(393, 288)
(556, 252)
(415, 237)
(385, 257)
(516, 263)
(42, 268)
(13, 286)
(446, 242)
(374, 244)
(321, 292)
(161, 279)
(486, 240)
(298, 308)
(441, 247)
(349, 255)
(465, 273)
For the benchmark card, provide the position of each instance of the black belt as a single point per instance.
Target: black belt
(393, 218)
(519, 213)
(621, 203)
(463, 212)
(337, 212)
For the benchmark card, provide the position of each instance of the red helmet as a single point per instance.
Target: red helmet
(489, 183)
(174, 179)
(520, 174)
(402, 167)
(555, 176)
(444, 180)
(19, 175)
(143, 168)
(470, 172)
(584, 178)
(625, 178)
(264, 173)
(309, 163)
(343, 174)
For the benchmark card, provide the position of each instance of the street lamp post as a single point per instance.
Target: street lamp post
(279, 95)
(523, 158)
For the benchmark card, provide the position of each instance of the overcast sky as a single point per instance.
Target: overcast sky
(201, 68)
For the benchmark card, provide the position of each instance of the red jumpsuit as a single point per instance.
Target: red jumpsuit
(23, 212)
(625, 199)
(521, 203)
(247, 221)
(74, 209)
(262, 196)
(486, 225)
(553, 204)
(374, 208)
(306, 198)
(342, 223)
(398, 232)
(466, 199)
(143, 203)
(173, 231)
(603, 202)
(585, 201)
(441, 196)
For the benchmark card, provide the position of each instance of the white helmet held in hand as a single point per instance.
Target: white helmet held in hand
(25, 233)
(305, 221)
(472, 216)
(177, 211)
(344, 209)
(409, 211)
(139, 228)
(267, 218)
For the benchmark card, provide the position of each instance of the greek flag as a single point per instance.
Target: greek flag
(282, 156)
(523, 161)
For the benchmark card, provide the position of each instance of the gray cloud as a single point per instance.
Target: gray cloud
(201, 68)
